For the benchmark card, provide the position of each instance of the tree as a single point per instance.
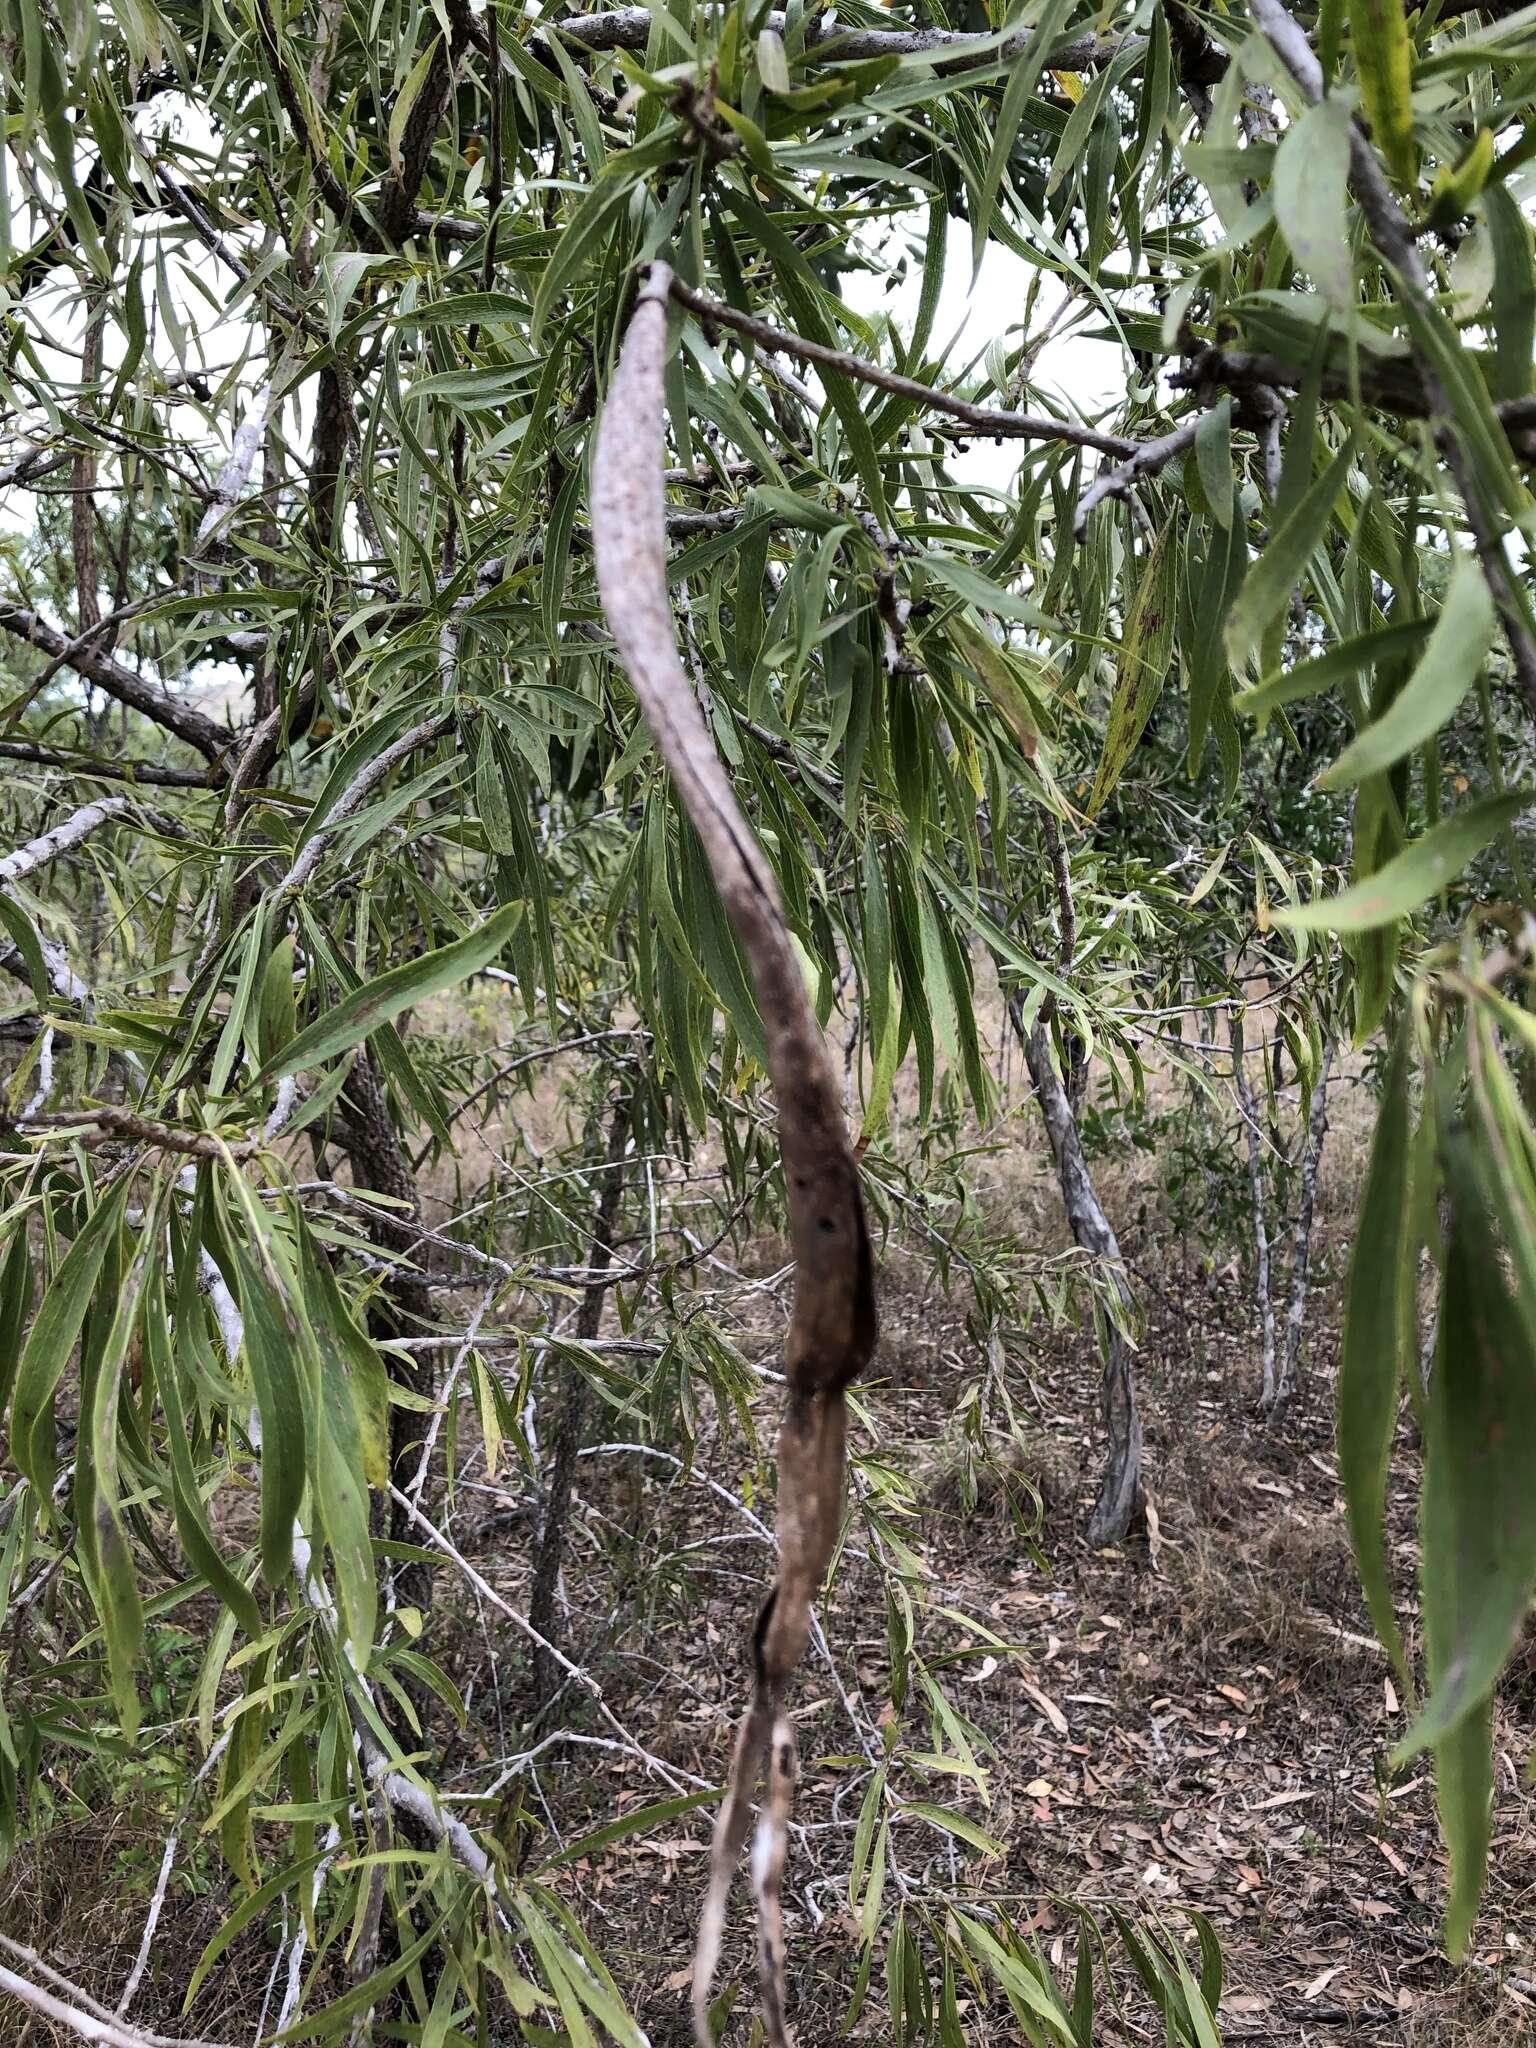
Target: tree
(347, 340)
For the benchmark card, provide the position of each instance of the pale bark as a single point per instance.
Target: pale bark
(1301, 1237)
(1121, 1496)
(832, 1326)
(1248, 1107)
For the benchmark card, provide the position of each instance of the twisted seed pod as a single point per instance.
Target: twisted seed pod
(832, 1327)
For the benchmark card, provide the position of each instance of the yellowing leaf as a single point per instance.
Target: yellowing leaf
(1384, 60)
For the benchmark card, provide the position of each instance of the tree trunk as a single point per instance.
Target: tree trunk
(1121, 1497)
(1301, 1241)
(570, 1423)
(402, 1306)
(1269, 1384)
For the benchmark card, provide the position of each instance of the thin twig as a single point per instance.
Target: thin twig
(987, 419)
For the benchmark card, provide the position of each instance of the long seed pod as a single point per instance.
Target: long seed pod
(832, 1327)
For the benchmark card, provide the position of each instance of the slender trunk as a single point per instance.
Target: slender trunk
(1301, 1240)
(1250, 1115)
(264, 682)
(570, 1423)
(402, 1307)
(1074, 1052)
(1121, 1497)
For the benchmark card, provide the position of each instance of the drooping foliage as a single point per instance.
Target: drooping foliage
(1164, 637)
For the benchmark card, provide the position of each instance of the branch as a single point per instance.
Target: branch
(243, 450)
(351, 800)
(988, 419)
(334, 192)
(34, 462)
(397, 211)
(629, 28)
(128, 688)
(182, 202)
(108, 771)
(37, 853)
(483, 1587)
(79, 2012)
(1395, 388)
(124, 1123)
(1150, 459)
(832, 1327)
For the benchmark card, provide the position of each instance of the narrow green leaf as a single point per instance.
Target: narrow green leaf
(957, 1824)
(1145, 652)
(1462, 636)
(1419, 871)
(15, 1304)
(379, 1001)
(1513, 298)
(636, 1823)
(272, 1349)
(405, 99)
(1464, 1795)
(24, 934)
(1373, 1345)
(1479, 1499)
(1022, 76)
(1384, 60)
(1310, 188)
(186, 1500)
(339, 1481)
(1271, 579)
(115, 1579)
(1213, 459)
(1352, 658)
(59, 1318)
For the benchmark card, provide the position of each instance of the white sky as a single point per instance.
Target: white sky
(1088, 375)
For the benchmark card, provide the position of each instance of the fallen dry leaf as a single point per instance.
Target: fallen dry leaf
(1323, 1979)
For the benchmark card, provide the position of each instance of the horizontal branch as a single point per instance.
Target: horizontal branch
(124, 1123)
(148, 772)
(124, 684)
(1390, 387)
(629, 28)
(989, 419)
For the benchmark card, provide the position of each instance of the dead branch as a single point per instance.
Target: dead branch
(832, 1328)
(73, 2008)
(482, 1586)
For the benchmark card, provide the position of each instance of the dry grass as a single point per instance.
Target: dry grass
(1226, 1717)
